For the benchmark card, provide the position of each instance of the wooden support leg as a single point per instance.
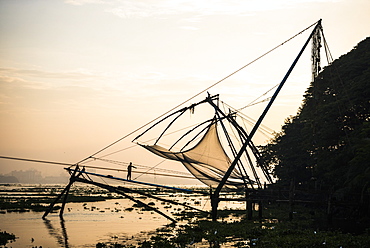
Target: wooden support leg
(260, 207)
(127, 190)
(214, 205)
(66, 189)
(65, 199)
(249, 210)
(121, 191)
(147, 206)
(55, 201)
(64, 232)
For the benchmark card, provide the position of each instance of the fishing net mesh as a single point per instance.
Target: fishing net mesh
(207, 160)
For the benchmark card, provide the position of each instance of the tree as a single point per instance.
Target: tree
(329, 138)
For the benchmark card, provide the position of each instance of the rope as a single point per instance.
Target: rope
(120, 150)
(201, 92)
(205, 203)
(330, 60)
(248, 119)
(180, 174)
(36, 161)
(142, 166)
(149, 173)
(150, 169)
(254, 101)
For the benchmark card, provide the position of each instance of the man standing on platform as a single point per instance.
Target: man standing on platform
(129, 170)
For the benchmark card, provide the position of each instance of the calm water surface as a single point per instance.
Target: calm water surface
(86, 224)
(82, 227)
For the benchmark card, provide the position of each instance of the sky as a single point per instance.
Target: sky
(77, 75)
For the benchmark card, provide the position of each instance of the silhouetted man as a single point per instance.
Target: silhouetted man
(129, 170)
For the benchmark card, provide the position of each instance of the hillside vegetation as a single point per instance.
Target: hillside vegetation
(326, 145)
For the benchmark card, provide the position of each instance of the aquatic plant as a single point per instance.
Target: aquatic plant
(274, 231)
(6, 237)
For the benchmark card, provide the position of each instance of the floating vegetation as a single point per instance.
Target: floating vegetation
(233, 229)
(6, 238)
(307, 229)
(38, 199)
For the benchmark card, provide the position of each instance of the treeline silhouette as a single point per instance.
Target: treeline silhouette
(326, 146)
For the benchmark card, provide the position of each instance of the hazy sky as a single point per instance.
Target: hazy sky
(76, 75)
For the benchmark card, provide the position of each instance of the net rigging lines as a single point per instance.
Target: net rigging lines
(207, 160)
(199, 93)
(264, 129)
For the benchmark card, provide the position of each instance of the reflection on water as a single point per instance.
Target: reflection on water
(60, 235)
(83, 226)
(86, 224)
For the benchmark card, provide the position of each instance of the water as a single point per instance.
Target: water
(82, 226)
(86, 224)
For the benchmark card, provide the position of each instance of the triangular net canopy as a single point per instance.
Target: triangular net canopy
(207, 160)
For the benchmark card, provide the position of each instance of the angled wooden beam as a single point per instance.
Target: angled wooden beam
(256, 126)
(65, 190)
(116, 190)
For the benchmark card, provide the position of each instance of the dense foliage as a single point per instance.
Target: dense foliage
(327, 144)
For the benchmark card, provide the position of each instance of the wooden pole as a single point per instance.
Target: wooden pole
(66, 189)
(260, 207)
(260, 119)
(55, 201)
(127, 190)
(65, 198)
(116, 190)
(214, 205)
(249, 209)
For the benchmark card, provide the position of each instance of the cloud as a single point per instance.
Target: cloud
(143, 9)
(78, 74)
(150, 8)
(189, 28)
(82, 2)
(39, 84)
(12, 82)
(193, 19)
(34, 94)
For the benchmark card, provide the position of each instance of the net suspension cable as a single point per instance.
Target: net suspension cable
(132, 146)
(246, 156)
(265, 130)
(254, 102)
(238, 139)
(330, 60)
(255, 127)
(151, 168)
(126, 163)
(242, 136)
(173, 172)
(186, 175)
(199, 93)
(157, 118)
(143, 172)
(247, 120)
(240, 166)
(197, 125)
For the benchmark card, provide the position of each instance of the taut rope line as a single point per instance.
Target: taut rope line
(201, 92)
